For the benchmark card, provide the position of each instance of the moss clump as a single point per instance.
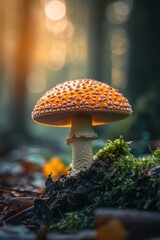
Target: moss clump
(114, 150)
(128, 182)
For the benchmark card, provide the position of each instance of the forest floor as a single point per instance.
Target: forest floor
(67, 204)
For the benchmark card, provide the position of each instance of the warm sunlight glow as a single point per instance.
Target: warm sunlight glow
(49, 24)
(69, 31)
(60, 26)
(63, 27)
(56, 59)
(55, 10)
(72, 53)
(36, 82)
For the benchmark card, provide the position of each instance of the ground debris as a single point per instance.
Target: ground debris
(69, 202)
(14, 200)
(67, 193)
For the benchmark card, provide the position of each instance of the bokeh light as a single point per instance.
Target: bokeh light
(36, 82)
(72, 52)
(119, 46)
(119, 42)
(60, 26)
(119, 61)
(118, 77)
(56, 59)
(118, 12)
(55, 10)
(67, 33)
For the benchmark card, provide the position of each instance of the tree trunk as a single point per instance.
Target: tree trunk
(97, 35)
(21, 65)
(144, 74)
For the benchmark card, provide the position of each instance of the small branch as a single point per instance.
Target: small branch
(19, 216)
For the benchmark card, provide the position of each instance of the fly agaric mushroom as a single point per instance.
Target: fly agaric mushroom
(81, 104)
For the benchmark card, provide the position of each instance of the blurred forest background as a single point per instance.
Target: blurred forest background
(45, 42)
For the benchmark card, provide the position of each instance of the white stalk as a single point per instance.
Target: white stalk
(81, 136)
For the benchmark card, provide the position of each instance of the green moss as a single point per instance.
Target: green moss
(129, 182)
(114, 149)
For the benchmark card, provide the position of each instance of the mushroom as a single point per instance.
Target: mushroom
(81, 104)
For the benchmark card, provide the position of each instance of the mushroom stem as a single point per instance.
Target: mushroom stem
(81, 136)
(82, 154)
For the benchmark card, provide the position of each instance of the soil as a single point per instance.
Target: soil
(66, 194)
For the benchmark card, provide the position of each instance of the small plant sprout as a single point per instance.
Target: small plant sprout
(81, 104)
